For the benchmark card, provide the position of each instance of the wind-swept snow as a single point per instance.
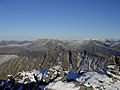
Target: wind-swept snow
(62, 86)
(56, 79)
(98, 81)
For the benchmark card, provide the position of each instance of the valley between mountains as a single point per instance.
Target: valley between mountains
(51, 64)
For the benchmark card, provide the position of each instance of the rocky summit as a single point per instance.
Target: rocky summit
(51, 64)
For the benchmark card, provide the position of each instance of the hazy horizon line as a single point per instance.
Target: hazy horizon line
(59, 39)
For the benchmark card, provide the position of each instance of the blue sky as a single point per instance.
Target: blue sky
(61, 19)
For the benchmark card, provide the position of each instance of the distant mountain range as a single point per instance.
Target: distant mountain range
(72, 55)
(9, 43)
(101, 48)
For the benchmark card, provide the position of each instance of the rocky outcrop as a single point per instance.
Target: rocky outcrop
(56, 78)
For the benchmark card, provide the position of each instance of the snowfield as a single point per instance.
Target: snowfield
(98, 81)
(62, 86)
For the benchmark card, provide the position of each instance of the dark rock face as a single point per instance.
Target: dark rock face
(117, 60)
(12, 85)
(70, 60)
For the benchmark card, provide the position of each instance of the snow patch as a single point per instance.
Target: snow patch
(30, 75)
(62, 86)
(98, 81)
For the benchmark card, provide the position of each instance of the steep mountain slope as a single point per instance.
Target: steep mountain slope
(92, 46)
(74, 55)
(5, 58)
(69, 60)
(115, 44)
(51, 63)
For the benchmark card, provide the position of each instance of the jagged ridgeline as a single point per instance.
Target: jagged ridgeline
(75, 55)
